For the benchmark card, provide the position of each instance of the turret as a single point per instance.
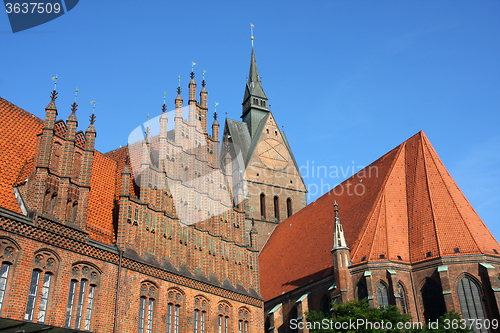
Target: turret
(203, 105)
(341, 260)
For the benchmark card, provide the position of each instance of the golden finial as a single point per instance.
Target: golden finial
(251, 32)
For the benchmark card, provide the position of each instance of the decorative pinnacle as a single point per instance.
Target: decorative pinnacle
(55, 81)
(253, 222)
(53, 95)
(336, 205)
(251, 32)
(73, 107)
(164, 107)
(203, 81)
(215, 115)
(92, 119)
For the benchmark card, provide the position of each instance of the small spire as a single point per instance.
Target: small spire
(203, 81)
(251, 32)
(53, 96)
(215, 107)
(253, 222)
(215, 115)
(338, 234)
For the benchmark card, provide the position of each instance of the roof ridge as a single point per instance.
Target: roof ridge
(459, 211)
(430, 198)
(382, 188)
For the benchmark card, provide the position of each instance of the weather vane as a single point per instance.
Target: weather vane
(215, 107)
(93, 105)
(54, 78)
(164, 96)
(76, 92)
(192, 66)
(180, 80)
(204, 71)
(251, 32)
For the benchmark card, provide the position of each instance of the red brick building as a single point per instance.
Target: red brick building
(146, 238)
(398, 232)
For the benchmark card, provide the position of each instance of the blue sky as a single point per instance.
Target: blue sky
(348, 81)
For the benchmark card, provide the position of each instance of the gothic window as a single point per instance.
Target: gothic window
(469, 296)
(382, 296)
(325, 305)
(223, 324)
(8, 256)
(45, 266)
(200, 314)
(174, 311)
(149, 293)
(276, 208)
(402, 298)
(243, 319)
(289, 207)
(432, 297)
(362, 289)
(81, 298)
(263, 206)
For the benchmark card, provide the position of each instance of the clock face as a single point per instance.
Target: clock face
(273, 154)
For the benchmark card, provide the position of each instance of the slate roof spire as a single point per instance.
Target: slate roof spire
(254, 97)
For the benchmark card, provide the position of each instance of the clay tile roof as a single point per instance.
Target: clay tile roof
(18, 141)
(404, 204)
(101, 199)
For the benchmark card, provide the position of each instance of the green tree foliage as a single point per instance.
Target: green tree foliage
(358, 316)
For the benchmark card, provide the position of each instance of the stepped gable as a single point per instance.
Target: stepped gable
(410, 206)
(18, 143)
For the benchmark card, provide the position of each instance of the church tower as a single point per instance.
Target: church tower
(264, 166)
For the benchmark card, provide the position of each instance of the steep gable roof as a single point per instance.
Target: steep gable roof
(18, 141)
(404, 204)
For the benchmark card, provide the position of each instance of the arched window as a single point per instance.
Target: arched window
(8, 256)
(294, 316)
(223, 324)
(174, 311)
(382, 296)
(82, 291)
(243, 319)
(289, 207)
(45, 266)
(362, 289)
(432, 297)
(149, 293)
(276, 208)
(469, 296)
(263, 206)
(200, 314)
(402, 298)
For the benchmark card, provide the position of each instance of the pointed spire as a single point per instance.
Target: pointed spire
(338, 234)
(164, 106)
